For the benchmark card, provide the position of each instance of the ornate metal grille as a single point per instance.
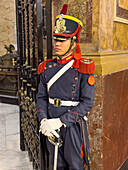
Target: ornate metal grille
(34, 23)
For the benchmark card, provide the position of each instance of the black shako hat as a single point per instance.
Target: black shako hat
(67, 27)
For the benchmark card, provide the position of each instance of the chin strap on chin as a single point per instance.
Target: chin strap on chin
(72, 41)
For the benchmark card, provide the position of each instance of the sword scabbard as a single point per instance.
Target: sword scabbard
(85, 146)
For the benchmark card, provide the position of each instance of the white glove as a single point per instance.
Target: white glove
(42, 123)
(49, 126)
(41, 130)
(52, 133)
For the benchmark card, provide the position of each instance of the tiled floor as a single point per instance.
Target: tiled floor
(11, 158)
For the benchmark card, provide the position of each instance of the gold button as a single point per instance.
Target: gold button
(50, 66)
(76, 78)
(73, 91)
(74, 85)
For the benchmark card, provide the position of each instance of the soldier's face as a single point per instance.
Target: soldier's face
(61, 47)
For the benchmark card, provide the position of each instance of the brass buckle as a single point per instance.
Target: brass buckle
(57, 102)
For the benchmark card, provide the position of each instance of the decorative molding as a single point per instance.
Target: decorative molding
(109, 62)
(120, 14)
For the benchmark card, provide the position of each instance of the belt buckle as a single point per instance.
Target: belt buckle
(57, 102)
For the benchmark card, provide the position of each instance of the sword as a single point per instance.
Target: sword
(57, 142)
(84, 138)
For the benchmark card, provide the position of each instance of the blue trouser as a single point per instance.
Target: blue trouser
(70, 151)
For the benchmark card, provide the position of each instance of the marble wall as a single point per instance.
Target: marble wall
(7, 24)
(120, 36)
(106, 25)
(95, 127)
(115, 120)
(107, 122)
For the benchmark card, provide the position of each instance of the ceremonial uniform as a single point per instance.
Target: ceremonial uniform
(72, 86)
(69, 98)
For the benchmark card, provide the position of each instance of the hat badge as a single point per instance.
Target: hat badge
(60, 25)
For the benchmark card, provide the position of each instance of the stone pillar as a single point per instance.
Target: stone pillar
(106, 22)
(7, 24)
(108, 119)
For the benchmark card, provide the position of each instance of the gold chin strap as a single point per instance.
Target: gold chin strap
(72, 41)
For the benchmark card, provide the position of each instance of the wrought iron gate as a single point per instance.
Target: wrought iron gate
(34, 33)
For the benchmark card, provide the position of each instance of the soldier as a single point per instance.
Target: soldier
(66, 93)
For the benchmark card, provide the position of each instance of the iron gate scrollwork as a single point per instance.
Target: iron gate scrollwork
(34, 24)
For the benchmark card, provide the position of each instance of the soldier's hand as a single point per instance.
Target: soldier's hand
(50, 125)
(53, 133)
(47, 133)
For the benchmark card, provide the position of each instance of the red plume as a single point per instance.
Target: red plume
(64, 9)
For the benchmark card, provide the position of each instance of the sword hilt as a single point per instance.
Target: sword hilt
(55, 141)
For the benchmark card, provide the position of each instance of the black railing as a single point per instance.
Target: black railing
(34, 23)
